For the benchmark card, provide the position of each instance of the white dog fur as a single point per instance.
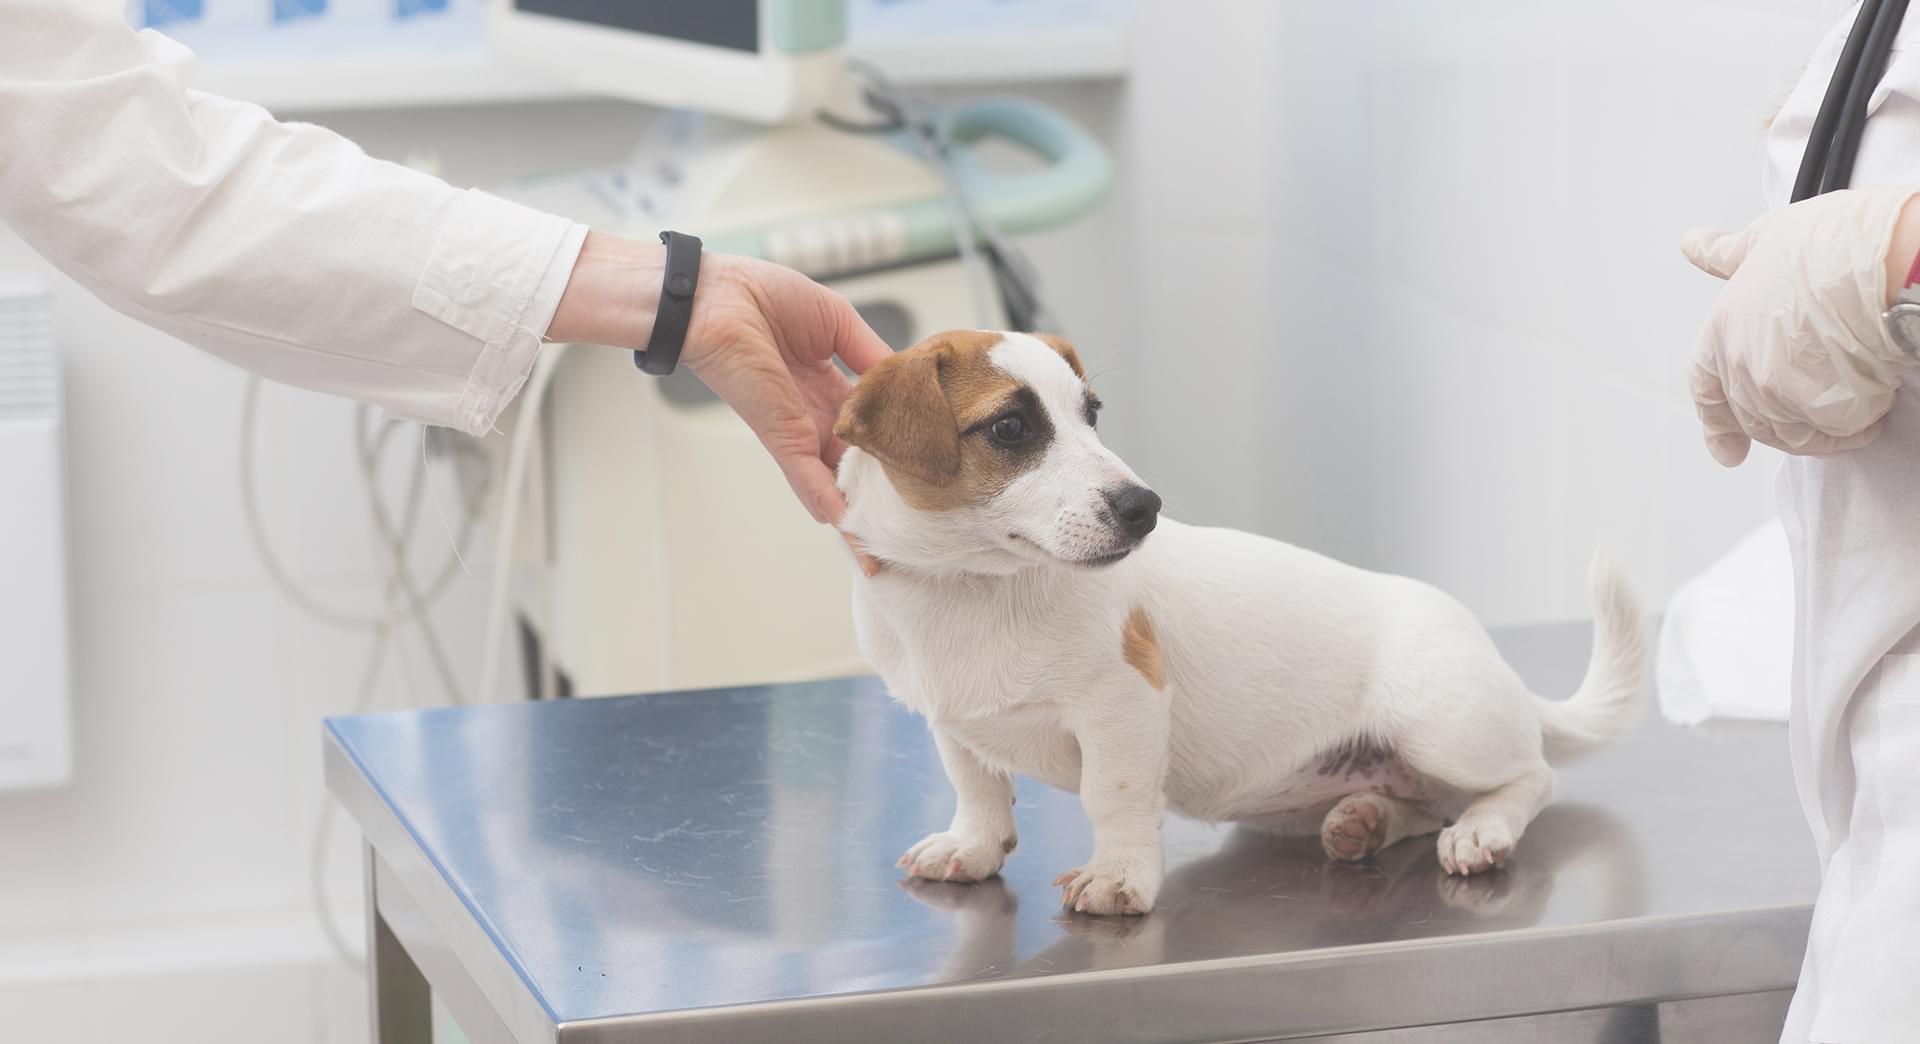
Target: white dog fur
(1223, 674)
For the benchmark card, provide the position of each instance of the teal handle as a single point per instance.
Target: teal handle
(1077, 175)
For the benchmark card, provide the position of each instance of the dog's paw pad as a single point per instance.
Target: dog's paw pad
(954, 857)
(1354, 829)
(1475, 845)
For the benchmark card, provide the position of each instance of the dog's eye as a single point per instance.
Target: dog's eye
(1009, 429)
(1093, 412)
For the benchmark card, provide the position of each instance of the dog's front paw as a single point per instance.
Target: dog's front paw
(1124, 884)
(947, 856)
(1475, 844)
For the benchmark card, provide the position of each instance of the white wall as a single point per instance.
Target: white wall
(1411, 291)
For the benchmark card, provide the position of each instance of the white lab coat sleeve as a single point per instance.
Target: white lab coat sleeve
(280, 247)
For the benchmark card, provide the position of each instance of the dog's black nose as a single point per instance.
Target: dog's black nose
(1136, 507)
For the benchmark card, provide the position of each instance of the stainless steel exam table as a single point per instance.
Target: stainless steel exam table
(719, 866)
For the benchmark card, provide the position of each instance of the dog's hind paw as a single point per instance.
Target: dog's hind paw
(1354, 829)
(1475, 844)
(947, 856)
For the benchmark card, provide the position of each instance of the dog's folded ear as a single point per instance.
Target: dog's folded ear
(899, 413)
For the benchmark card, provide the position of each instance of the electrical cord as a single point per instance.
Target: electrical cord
(1834, 140)
(506, 525)
(929, 128)
(270, 559)
(1873, 65)
(403, 599)
(396, 543)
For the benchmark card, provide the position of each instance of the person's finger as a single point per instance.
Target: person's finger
(859, 347)
(813, 483)
(1714, 252)
(1726, 439)
(1729, 449)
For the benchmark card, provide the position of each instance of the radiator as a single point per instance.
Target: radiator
(36, 746)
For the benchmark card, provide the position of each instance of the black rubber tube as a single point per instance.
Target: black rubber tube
(1853, 118)
(1814, 162)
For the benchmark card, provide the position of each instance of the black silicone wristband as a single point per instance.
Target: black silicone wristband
(670, 321)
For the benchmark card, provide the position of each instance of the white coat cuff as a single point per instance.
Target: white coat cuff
(491, 275)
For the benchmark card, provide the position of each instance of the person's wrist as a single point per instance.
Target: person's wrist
(613, 293)
(1904, 250)
(717, 308)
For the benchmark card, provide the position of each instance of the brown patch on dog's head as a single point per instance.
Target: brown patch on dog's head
(1059, 344)
(1142, 649)
(922, 413)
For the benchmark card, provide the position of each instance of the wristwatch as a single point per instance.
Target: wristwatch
(675, 310)
(1903, 319)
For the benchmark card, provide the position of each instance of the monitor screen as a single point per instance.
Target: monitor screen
(733, 24)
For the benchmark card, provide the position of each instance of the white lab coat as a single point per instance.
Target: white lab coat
(279, 247)
(1854, 524)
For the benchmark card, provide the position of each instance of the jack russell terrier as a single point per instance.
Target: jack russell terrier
(1026, 613)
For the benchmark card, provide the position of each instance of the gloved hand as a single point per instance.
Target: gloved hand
(1794, 353)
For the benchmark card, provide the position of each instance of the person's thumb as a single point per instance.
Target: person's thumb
(1715, 253)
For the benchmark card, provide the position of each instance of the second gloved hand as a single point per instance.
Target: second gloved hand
(1795, 353)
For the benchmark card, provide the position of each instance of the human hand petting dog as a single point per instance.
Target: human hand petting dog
(763, 337)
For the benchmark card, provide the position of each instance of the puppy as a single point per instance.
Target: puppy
(1047, 622)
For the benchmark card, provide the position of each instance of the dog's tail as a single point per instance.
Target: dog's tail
(1610, 698)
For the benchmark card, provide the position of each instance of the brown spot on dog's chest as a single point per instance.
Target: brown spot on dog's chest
(1141, 648)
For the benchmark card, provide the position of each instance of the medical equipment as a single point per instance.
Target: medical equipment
(258, 32)
(35, 701)
(1834, 141)
(762, 60)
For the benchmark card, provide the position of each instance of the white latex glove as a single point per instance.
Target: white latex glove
(1794, 353)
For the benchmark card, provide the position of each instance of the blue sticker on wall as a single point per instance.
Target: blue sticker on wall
(410, 8)
(296, 10)
(156, 13)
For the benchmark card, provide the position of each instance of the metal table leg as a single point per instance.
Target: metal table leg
(398, 999)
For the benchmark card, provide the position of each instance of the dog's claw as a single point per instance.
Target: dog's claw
(1108, 889)
(950, 857)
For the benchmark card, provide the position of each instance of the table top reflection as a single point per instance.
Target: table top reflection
(682, 853)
